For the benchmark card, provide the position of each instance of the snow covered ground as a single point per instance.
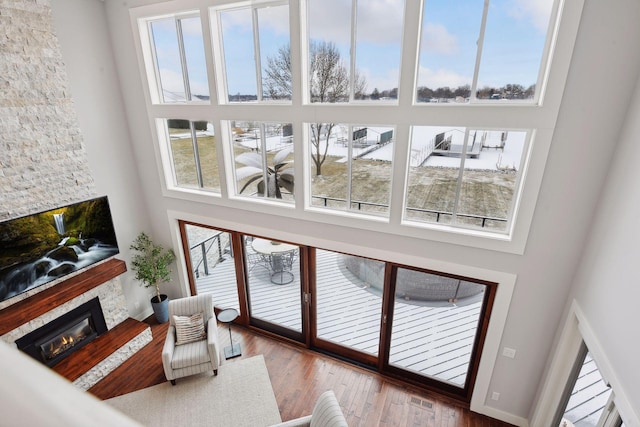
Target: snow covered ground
(490, 157)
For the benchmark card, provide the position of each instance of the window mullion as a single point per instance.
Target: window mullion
(352, 53)
(476, 69)
(463, 156)
(256, 50)
(196, 153)
(156, 66)
(349, 170)
(265, 165)
(183, 61)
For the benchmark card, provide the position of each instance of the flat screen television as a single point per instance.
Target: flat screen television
(38, 248)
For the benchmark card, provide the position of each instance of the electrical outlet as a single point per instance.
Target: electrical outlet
(136, 305)
(509, 352)
(495, 396)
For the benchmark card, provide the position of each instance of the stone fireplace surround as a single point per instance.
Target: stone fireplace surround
(25, 313)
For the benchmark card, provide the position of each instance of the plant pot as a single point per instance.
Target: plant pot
(161, 308)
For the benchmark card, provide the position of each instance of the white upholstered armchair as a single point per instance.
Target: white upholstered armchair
(191, 345)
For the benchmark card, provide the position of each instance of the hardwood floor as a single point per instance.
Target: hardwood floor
(299, 376)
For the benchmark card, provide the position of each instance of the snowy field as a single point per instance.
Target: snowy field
(493, 155)
(422, 141)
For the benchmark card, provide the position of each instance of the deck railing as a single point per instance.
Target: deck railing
(438, 214)
(204, 250)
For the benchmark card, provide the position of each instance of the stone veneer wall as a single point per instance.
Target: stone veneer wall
(43, 164)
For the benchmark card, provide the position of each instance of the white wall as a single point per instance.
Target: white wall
(604, 66)
(607, 283)
(86, 49)
(605, 291)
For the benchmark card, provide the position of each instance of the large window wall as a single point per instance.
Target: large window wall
(416, 118)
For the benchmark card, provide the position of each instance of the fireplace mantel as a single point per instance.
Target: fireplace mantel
(36, 305)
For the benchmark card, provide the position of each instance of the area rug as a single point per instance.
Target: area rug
(240, 395)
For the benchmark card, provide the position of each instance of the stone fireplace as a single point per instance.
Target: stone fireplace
(68, 307)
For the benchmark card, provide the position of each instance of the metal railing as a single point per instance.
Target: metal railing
(482, 219)
(359, 204)
(204, 250)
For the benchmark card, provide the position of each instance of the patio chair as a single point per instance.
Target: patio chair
(254, 259)
(281, 266)
(191, 345)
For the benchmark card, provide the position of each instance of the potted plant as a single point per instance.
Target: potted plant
(152, 265)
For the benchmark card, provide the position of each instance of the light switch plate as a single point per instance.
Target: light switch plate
(509, 352)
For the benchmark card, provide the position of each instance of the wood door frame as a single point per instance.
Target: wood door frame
(384, 367)
(326, 346)
(308, 297)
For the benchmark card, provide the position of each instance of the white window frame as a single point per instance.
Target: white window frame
(218, 46)
(151, 60)
(540, 118)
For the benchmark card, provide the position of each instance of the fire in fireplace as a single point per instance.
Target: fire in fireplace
(72, 336)
(59, 338)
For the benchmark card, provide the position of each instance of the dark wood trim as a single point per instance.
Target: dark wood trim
(36, 305)
(483, 329)
(81, 361)
(237, 240)
(390, 274)
(186, 253)
(312, 307)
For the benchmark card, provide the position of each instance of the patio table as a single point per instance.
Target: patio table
(277, 253)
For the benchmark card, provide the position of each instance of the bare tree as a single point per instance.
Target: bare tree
(277, 80)
(328, 82)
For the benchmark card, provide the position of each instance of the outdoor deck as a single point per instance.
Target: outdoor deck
(439, 345)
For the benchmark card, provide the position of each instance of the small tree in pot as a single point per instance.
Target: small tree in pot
(152, 265)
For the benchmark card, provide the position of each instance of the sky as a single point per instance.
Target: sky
(513, 44)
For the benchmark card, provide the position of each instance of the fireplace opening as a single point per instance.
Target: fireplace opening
(71, 337)
(59, 338)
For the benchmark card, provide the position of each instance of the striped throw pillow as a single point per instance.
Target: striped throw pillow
(189, 328)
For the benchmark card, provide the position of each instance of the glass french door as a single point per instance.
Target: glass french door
(415, 324)
(434, 326)
(211, 261)
(273, 282)
(347, 296)
(411, 323)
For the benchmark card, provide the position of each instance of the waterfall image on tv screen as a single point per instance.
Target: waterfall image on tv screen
(42, 247)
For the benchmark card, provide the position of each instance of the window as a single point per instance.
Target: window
(418, 118)
(178, 50)
(255, 46)
(354, 49)
(351, 167)
(482, 51)
(466, 177)
(263, 154)
(193, 155)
